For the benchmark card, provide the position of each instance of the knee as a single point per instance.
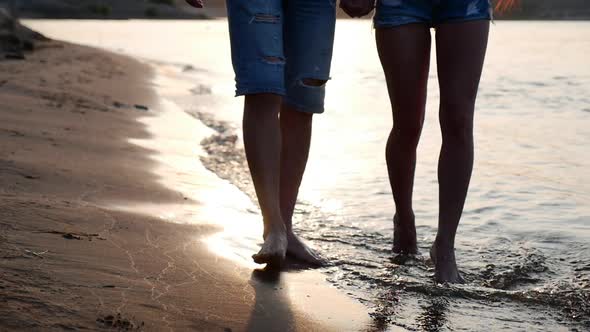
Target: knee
(262, 102)
(407, 134)
(407, 126)
(292, 117)
(456, 121)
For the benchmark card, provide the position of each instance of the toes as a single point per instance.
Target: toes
(399, 259)
(298, 250)
(308, 257)
(316, 261)
(320, 262)
(269, 259)
(275, 262)
(450, 277)
(258, 258)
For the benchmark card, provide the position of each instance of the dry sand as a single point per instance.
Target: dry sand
(67, 261)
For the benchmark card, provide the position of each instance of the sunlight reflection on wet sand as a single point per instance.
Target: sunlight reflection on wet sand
(176, 137)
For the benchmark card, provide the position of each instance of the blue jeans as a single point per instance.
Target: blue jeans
(277, 45)
(391, 13)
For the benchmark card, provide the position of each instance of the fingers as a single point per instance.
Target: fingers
(195, 3)
(357, 8)
(357, 13)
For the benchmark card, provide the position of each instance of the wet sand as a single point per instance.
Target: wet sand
(69, 116)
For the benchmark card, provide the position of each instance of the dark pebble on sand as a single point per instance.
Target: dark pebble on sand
(227, 329)
(27, 45)
(118, 104)
(71, 236)
(14, 56)
(16, 133)
(141, 107)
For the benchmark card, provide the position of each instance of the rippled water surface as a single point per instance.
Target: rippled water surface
(523, 243)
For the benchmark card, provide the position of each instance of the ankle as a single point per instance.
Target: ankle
(404, 218)
(275, 227)
(444, 245)
(288, 225)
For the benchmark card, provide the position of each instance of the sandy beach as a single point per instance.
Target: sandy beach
(69, 260)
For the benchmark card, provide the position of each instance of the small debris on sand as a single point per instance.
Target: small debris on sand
(75, 236)
(118, 104)
(141, 107)
(118, 322)
(71, 236)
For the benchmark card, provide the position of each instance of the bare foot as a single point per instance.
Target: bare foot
(300, 251)
(404, 236)
(273, 249)
(445, 266)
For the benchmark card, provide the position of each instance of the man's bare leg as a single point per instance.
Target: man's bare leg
(296, 130)
(461, 49)
(405, 56)
(262, 142)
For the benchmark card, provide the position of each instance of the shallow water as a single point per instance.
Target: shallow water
(523, 244)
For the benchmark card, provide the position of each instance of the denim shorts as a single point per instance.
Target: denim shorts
(391, 13)
(276, 45)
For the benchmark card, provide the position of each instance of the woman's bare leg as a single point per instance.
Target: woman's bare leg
(405, 56)
(461, 49)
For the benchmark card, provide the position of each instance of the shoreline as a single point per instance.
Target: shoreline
(94, 234)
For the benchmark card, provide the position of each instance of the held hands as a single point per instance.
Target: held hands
(357, 8)
(195, 3)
